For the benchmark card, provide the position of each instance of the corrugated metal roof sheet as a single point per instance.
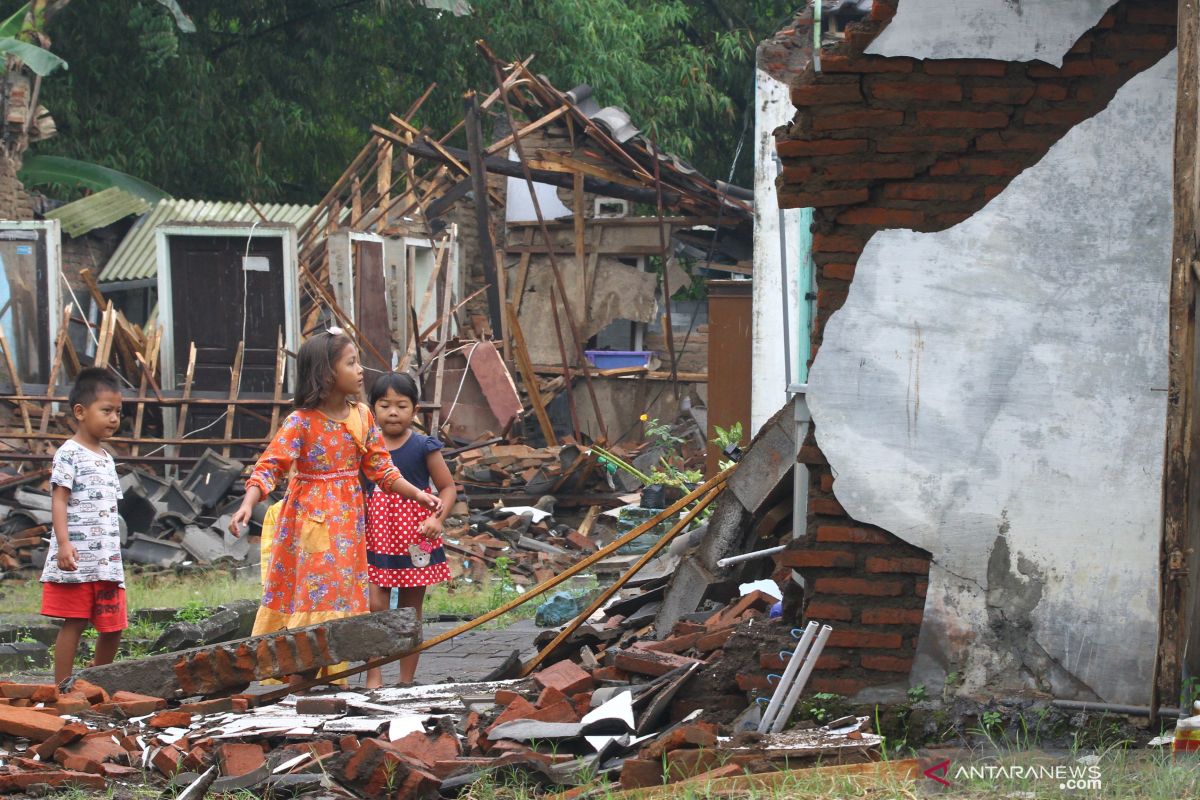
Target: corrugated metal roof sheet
(136, 258)
(97, 210)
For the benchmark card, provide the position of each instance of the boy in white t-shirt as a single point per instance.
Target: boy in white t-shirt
(84, 580)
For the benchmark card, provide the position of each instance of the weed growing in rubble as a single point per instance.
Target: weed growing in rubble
(503, 587)
(192, 611)
(916, 693)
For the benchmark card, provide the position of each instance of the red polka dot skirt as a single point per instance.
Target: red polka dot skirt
(397, 555)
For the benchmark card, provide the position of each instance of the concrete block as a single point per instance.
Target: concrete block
(768, 460)
(233, 665)
(684, 593)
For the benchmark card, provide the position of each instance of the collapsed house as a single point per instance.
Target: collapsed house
(982, 473)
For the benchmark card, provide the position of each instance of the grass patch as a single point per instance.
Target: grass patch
(160, 590)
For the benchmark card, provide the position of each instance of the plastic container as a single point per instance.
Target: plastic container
(1187, 737)
(615, 359)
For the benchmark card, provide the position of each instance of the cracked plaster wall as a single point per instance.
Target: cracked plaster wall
(993, 393)
(1006, 30)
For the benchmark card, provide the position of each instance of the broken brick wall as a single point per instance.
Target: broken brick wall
(889, 142)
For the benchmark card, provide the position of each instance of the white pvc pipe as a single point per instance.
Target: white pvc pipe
(770, 551)
(789, 673)
(810, 661)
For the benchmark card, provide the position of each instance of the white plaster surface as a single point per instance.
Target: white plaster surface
(773, 107)
(1006, 30)
(994, 393)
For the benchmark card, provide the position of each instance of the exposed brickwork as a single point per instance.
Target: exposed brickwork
(882, 143)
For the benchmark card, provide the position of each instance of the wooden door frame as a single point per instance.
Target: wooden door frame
(55, 290)
(1175, 559)
(291, 284)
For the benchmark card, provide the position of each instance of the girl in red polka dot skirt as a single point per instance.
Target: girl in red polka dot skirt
(404, 539)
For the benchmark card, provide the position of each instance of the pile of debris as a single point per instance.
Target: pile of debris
(164, 522)
(638, 711)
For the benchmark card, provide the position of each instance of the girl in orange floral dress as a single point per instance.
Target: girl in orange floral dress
(318, 563)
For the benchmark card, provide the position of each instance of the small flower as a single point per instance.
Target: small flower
(644, 417)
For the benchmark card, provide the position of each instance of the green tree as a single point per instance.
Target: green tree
(270, 100)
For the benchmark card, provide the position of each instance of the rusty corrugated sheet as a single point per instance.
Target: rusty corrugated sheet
(135, 257)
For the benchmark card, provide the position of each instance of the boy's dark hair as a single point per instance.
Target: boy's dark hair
(89, 383)
(399, 382)
(314, 367)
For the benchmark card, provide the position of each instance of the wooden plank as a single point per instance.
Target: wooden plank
(666, 282)
(441, 256)
(541, 122)
(383, 175)
(147, 374)
(280, 374)
(188, 375)
(529, 377)
(55, 367)
(1175, 559)
(439, 373)
(235, 385)
(580, 223)
(16, 379)
(483, 217)
(568, 380)
(518, 295)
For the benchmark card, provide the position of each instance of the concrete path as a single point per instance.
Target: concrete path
(469, 657)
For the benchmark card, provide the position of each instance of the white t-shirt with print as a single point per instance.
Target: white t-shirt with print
(92, 522)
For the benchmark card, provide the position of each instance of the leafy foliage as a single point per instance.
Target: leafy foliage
(270, 100)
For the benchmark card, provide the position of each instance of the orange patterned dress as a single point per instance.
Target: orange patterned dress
(318, 554)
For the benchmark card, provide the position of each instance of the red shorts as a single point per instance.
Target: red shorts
(102, 602)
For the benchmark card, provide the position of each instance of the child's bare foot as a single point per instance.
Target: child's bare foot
(374, 679)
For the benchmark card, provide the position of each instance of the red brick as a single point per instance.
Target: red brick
(67, 734)
(954, 192)
(566, 676)
(696, 734)
(882, 217)
(945, 167)
(23, 691)
(321, 705)
(818, 94)
(638, 773)
(833, 243)
(1075, 68)
(167, 760)
(1012, 95)
(823, 199)
(517, 709)
(822, 611)
(866, 118)
(752, 681)
(796, 148)
(886, 663)
(1014, 141)
(918, 566)
(815, 558)
(20, 781)
(844, 686)
(610, 674)
(873, 587)
(46, 693)
(864, 64)
(72, 703)
(29, 724)
(990, 166)
(1055, 116)
(240, 759)
(1136, 15)
(864, 639)
(891, 90)
(170, 719)
(839, 533)
(505, 697)
(962, 119)
(561, 711)
(1118, 42)
(1051, 91)
(428, 749)
(882, 10)
(348, 743)
(891, 616)
(921, 588)
(714, 640)
(965, 67)
(921, 144)
(867, 170)
(648, 662)
(549, 697)
(839, 272)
